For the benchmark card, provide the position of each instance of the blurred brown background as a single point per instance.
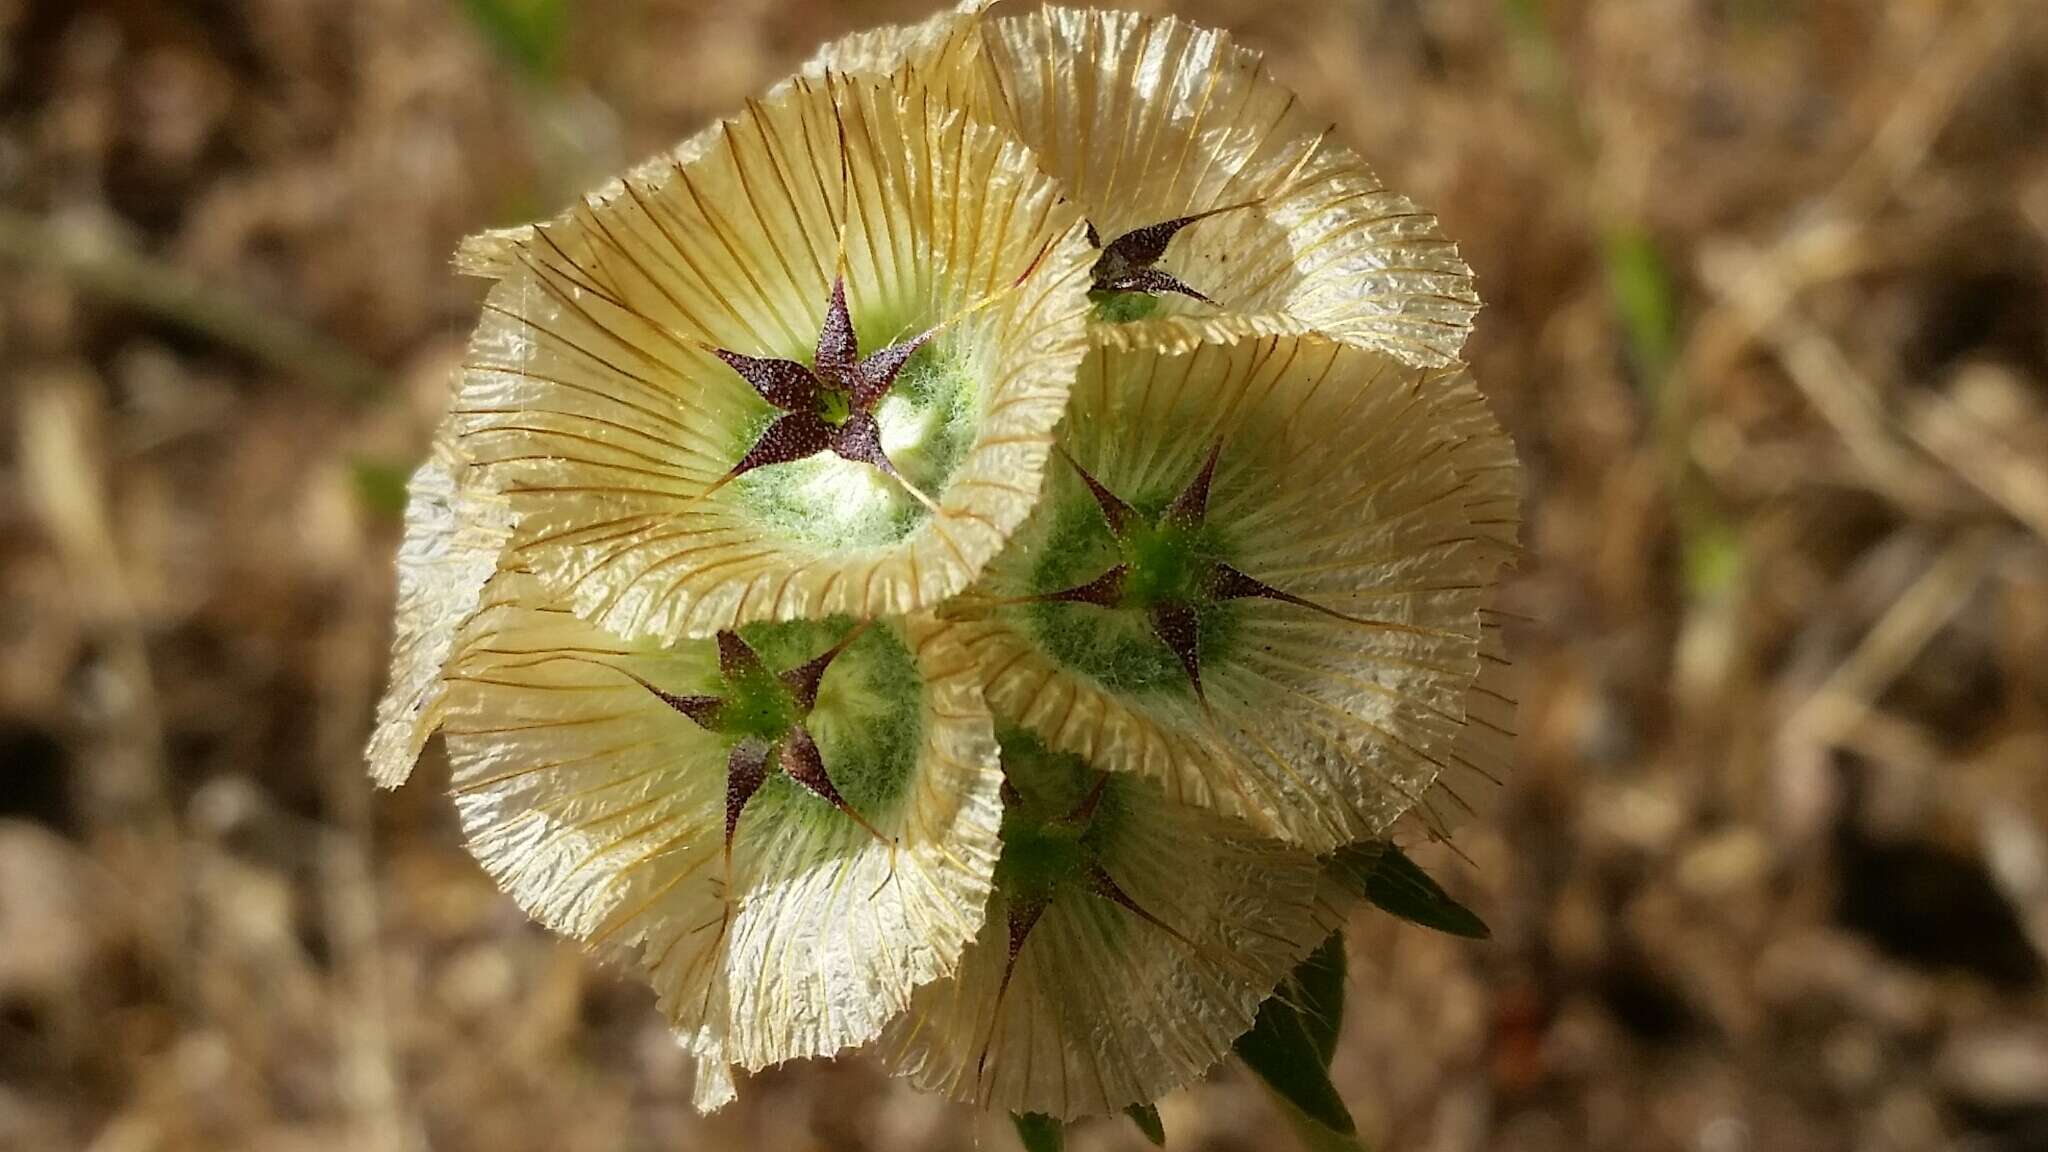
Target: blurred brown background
(1767, 294)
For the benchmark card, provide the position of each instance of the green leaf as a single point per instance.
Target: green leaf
(1385, 875)
(1039, 1132)
(529, 34)
(1316, 992)
(1286, 1050)
(1146, 1117)
(1314, 1136)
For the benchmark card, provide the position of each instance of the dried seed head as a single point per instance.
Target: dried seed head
(648, 391)
(1261, 576)
(786, 829)
(1130, 940)
(806, 368)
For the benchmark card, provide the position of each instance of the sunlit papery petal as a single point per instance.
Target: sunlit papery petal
(1377, 492)
(494, 254)
(1144, 119)
(593, 398)
(1470, 783)
(714, 1088)
(1106, 1008)
(935, 54)
(601, 810)
(454, 533)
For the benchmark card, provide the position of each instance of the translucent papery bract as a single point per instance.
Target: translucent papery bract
(1469, 779)
(1469, 782)
(602, 808)
(936, 54)
(454, 533)
(1145, 119)
(1363, 510)
(1106, 1005)
(494, 254)
(594, 398)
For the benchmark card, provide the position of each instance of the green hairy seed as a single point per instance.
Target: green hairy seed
(756, 705)
(1039, 861)
(1164, 564)
(1122, 307)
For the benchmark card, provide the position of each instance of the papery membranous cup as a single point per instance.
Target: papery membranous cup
(647, 390)
(1259, 576)
(1130, 941)
(788, 828)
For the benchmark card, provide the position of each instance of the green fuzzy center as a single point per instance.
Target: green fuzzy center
(869, 717)
(1116, 646)
(1165, 563)
(834, 407)
(1045, 853)
(1122, 307)
(1039, 861)
(928, 422)
(757, 706)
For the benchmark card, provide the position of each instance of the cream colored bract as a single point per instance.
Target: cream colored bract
(594, 401)
(936, 56)
(454, 533)
(1144, 119)
(1114, 1001)
(600, 809)
(1383, 494)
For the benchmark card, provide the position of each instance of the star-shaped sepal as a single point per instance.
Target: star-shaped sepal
(1078, 868)
(1129, 262)
(829, 404)
(763, 713)
(1169, 572)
